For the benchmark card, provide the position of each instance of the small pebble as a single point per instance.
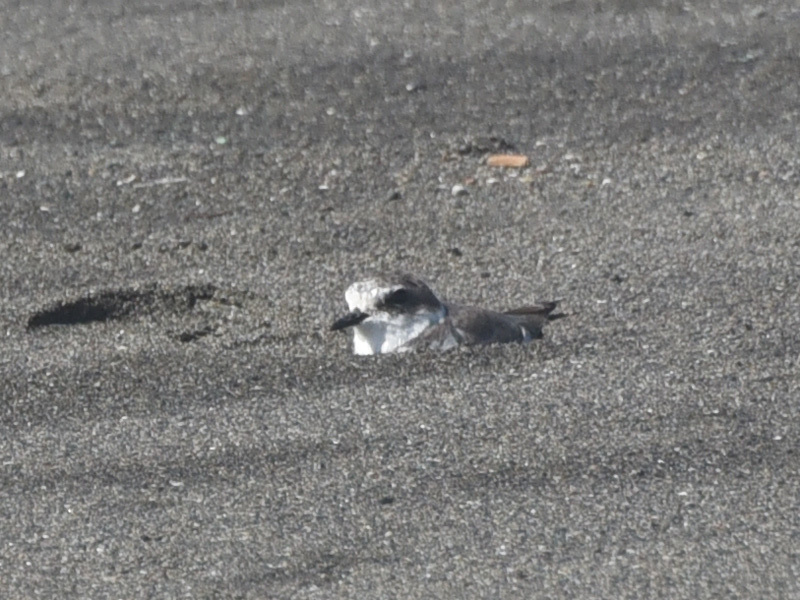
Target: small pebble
(508, 160)
(459, 190)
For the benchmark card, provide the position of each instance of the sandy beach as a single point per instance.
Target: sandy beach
(187, 189)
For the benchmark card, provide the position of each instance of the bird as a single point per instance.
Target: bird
(398, 312)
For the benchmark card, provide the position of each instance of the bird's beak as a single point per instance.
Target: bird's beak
(349, 320)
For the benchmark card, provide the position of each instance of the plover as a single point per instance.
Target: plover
(399, 312)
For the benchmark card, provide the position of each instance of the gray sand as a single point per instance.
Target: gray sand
(187, 189)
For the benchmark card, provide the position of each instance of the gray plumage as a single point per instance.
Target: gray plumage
(471, 326)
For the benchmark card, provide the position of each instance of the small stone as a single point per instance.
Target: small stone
(126, 180)
(394, 195)
(459, 190)
(508, 160)
(72, 247)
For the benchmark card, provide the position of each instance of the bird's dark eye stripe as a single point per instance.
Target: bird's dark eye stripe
(397, 297)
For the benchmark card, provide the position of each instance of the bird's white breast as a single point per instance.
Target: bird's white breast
(384, 332)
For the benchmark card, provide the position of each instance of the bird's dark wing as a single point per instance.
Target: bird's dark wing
(472, 326)
(478, 326)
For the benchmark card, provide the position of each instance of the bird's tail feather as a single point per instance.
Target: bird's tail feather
(541, 312)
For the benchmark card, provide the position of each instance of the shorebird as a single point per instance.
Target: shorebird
(399, 312)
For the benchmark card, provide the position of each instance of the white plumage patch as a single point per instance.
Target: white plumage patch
(383, 332)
